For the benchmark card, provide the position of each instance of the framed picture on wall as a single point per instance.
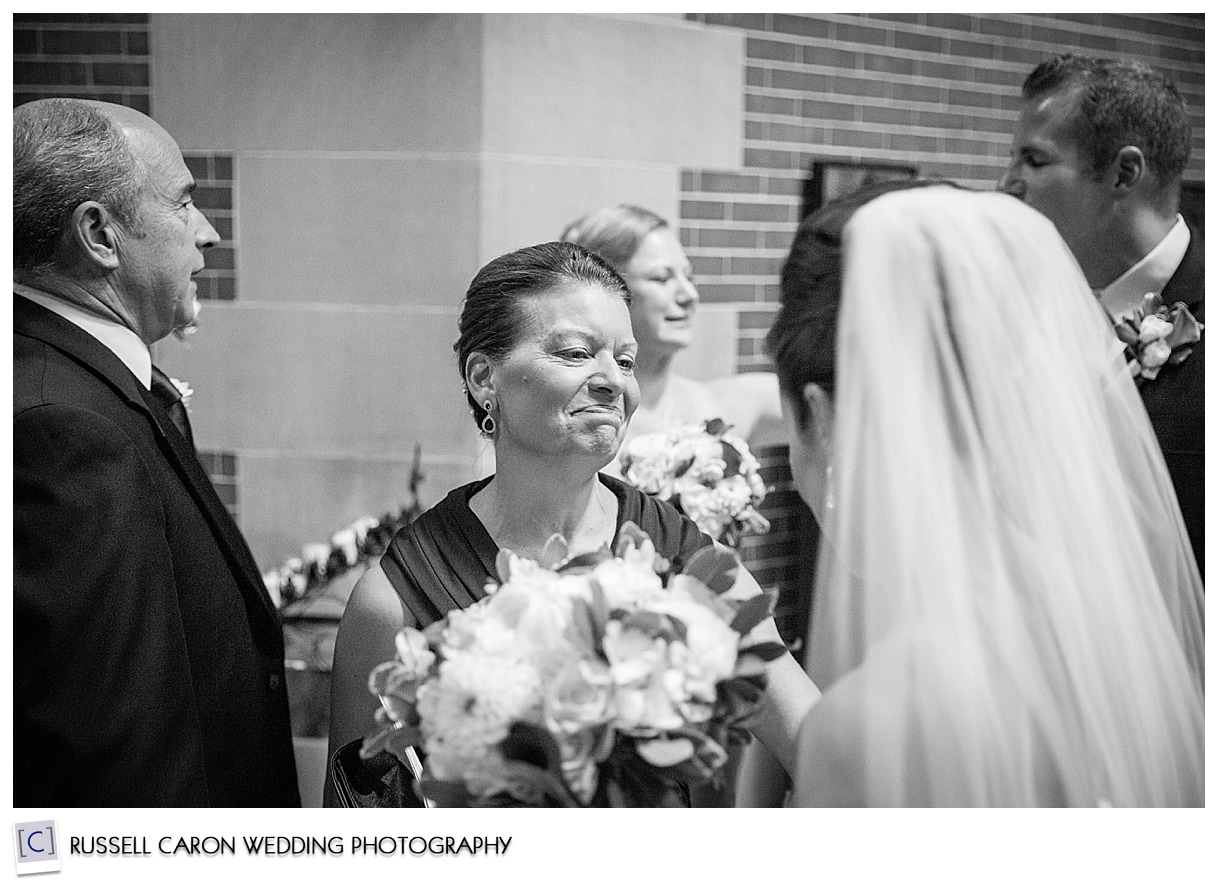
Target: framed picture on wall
(829, 179)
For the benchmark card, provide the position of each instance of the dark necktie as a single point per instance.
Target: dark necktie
(168, 396)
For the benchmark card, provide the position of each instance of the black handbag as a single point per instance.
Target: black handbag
(380, 781)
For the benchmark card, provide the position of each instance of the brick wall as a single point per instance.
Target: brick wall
(937, 91)
(105, 57)
(215, 179)
(940, 92)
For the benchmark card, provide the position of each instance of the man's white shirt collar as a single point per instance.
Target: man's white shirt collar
(1150, 274)
(119, 339)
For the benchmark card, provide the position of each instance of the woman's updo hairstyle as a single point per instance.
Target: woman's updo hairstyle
(614, 233)
(492, 318)
(803, 339)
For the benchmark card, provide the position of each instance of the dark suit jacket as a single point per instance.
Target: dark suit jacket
(148, 657)
(1175, 400)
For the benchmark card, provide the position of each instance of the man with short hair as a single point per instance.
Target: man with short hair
(1100, 148)
(147, 654)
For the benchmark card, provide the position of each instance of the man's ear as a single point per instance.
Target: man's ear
(480, 375)
(92, 233)
(1131, 169)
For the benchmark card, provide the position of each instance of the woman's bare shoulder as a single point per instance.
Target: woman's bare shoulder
(373, 597)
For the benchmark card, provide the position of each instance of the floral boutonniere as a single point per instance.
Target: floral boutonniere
(184, 390)
(1157, 334)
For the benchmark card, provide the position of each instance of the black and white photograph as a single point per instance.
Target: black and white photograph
(764, 411)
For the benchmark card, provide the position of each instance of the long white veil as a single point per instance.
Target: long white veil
(1006, 600)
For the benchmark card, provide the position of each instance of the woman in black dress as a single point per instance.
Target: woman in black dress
(546, 354)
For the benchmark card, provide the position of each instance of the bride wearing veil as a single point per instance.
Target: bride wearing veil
(1006, 610)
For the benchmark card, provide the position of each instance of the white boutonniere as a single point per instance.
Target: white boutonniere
(1156, 335)
(184, 390)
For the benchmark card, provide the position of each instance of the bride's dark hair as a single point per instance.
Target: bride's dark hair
(803, 339)
(491, 318)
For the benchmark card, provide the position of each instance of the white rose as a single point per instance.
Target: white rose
(1153, 328)
(628, 582)
(1155, 354)
(712, 644)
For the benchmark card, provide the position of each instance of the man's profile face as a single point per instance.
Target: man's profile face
(1050, 173)
(159, 264)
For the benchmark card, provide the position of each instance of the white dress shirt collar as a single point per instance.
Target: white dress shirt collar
(1150, 274)
(119, 339)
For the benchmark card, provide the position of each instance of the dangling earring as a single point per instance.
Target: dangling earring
(488, 421)
(830, 489)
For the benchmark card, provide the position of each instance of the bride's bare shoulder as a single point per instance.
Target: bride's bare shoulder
(829, 764)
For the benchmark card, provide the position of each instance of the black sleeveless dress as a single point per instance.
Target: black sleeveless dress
(443, 560)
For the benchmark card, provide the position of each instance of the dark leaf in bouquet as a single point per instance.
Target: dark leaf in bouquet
(752, 612)
(374, 742)
(731, 458)
(554, 552)
(682, 467)
(392, 739)
(715, 427)
(532, 744)
(628, 781)
(679, 628)
(583, 624)
(532, 785)
(599, 609)
(747, 689)
(714, 567)
(651, 623)
(631, 535)
(1185, 330)
(736, 713)
(534, 763)
(708, 758)
(1126, 332)
(748, 665)
(582, 563)
(767, 651)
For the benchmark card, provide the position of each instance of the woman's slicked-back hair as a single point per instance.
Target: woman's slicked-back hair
(492, 314)
(803, 339)
(614, 233)
(65, 152)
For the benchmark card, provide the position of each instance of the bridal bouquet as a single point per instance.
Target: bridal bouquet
(603, 680)
(706, 472)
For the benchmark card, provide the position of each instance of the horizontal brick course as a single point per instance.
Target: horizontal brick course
(703, 210)
(802, 26)
(120, 74)
(52, 73)
(82, 42)
(767, 213)
(77, 19)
